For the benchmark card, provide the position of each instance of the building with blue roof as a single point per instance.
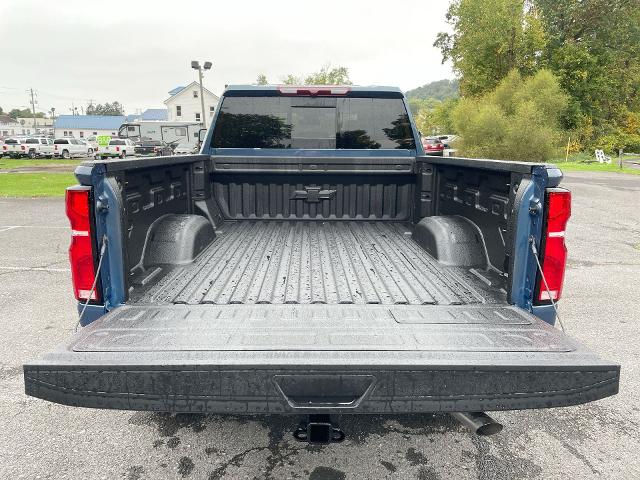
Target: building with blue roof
(85, 126)
(154, 114)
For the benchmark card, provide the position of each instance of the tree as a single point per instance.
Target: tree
(114, 108)
(518, 120)
(325, 76)
(262, 79)
(490, 38)
(594, 48)
(292, 80)
(437, 119)
(329, 76)
(16, 112)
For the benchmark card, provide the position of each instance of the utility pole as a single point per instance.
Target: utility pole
(33, 105)
(196, 66)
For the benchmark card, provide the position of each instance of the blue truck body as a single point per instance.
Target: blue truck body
(479, 340)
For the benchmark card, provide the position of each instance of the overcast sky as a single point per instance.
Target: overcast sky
(136, 51)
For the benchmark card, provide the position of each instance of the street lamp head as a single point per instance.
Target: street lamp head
(207, 65)
(195, 64)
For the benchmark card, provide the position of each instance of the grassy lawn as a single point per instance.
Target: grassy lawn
(35, 184)
(581, 162)
(9, 163)
(595, 167)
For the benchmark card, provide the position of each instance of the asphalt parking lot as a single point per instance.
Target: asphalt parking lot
(599, 440)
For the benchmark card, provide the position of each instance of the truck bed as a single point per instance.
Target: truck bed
(315, 262)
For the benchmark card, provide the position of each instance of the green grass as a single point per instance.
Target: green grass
(583, 162)
(35, 184)
(595, 167)
(9, 163)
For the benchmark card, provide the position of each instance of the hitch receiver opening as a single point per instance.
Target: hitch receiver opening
(317, 429)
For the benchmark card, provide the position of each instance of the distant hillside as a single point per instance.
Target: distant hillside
(438, 90)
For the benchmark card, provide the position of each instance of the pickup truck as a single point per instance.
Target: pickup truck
(36, 147)
(70, 148)
(11, 147)
(311, 260)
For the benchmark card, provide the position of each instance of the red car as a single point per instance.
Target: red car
(432, 146)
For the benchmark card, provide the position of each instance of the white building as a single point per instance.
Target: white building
(9, 127)
(184, 104)
(43, 126)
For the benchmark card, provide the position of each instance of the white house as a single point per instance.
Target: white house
(9, 127)
(184, 103)
(84, 126)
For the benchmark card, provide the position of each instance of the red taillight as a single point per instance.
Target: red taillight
(55, 147)
(81, 249)
(313, 91)
(117, 149)
(553, 251)
(22, 147)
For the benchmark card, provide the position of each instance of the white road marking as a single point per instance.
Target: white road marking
(4, 229)
(32, 226)
(35, 269)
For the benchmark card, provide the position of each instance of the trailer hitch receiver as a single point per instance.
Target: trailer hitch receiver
(318, 430)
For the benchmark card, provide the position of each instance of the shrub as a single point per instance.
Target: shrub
(518, 120)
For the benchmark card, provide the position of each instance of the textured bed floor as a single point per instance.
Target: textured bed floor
(280, 262)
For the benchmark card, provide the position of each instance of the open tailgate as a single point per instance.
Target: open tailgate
(333, 358)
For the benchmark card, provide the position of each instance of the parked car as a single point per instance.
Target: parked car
(395, 283)
(432, 146)
(147, 148)
(118, 147)
(70, 148)
(447, 140)
(186, 149)
(36, 147)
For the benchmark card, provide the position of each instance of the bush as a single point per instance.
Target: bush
(612, 143)
(518, 120)
(435, 118)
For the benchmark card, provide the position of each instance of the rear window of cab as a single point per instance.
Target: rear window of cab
(313, 123)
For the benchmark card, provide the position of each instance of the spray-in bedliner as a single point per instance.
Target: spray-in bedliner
(307, 262)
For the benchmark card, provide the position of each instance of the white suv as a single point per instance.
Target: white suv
(70, 147)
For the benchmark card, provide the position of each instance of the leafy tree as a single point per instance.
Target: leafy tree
(489, 39)
(16, 112)
(594, 48)
(437, 119)
(262, 79)
(114, 108)
(325, 76)
(329, 76)
(518, 120)
(292, 80)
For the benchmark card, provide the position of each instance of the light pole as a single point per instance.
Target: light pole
(196, 66)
